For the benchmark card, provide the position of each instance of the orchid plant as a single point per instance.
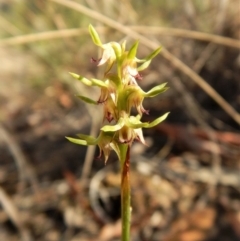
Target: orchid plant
(120, 93)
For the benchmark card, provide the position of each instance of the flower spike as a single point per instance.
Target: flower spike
(119, 94)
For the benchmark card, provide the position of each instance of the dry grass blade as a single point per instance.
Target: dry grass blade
(67, 33)
(184, 33)
(8, 27)
(10, 208)
(44, 36)
(165, 53)
(13, 213)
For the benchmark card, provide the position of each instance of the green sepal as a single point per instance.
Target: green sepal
(99, 83)
(148, 59)
(135, 123)
(77, 141)
(138, 125)
(133, 51)
(94, 35)
(89, 82)
(84, 140)
(158, 120)
(90, 139)
(144, 65)
(150, 56)
(154, 53)
(111, 128)
(82, 79)
(156, 90)
(87, 100)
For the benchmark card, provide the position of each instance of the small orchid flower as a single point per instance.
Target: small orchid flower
(105, 142)
(133, 96)
(110, 50)
(108, 96)
(129, 128)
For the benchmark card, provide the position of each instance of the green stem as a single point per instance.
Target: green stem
(125, 192)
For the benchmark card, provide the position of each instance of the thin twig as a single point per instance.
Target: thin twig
(26, 171)
(55, 34)
(203, 57)
(15, 216)
(184, 33)
(91, 149)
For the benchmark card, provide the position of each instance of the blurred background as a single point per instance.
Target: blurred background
(185, 182)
